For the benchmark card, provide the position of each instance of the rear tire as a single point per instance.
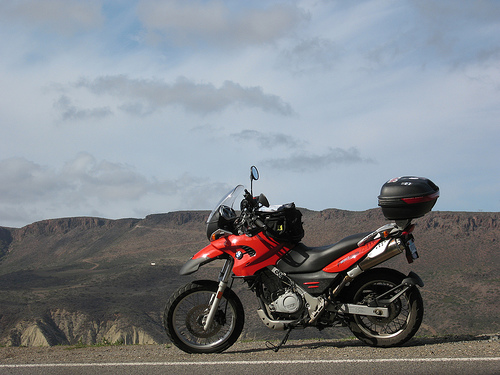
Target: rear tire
(405, 313)
(186, 311)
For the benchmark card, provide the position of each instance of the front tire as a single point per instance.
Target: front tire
(405, 313)
(187, 310)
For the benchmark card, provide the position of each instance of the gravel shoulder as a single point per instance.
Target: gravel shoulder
(433, 347)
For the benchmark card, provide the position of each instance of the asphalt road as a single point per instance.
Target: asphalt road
(452, 355)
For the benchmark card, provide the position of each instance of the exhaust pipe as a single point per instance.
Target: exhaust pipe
(382, 252)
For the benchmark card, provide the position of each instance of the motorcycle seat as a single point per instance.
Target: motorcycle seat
(304, 259)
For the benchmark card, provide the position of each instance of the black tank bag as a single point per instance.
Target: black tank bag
(284, 224)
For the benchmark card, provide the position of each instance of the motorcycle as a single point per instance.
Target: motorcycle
(299, 286)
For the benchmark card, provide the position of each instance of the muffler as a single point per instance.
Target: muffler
(380, 253)
(383, 251)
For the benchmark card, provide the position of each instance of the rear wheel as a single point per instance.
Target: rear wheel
(405, 312)
(186, 313)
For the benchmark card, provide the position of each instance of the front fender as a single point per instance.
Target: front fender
(193, 265)
(204, 256)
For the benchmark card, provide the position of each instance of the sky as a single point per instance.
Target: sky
(121, 109)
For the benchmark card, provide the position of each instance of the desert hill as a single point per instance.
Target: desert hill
(88, 280)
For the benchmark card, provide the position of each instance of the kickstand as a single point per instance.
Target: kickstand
(275, 348)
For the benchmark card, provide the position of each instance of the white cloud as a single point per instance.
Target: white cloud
(146, 96)
(339, 89)
(268, 140)
(310, 55)
(25, 181)
(104, 180)
(218, 23)
(70, 112)
(60, 16)
(85, 186)
(83, 177)
(307, 162)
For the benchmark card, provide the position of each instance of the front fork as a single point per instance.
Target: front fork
(214, 303)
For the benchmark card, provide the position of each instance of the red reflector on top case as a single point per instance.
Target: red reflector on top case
(425, 198)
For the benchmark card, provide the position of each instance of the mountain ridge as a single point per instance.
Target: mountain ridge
(63, 278)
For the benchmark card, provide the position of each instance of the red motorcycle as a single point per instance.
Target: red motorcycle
(299, 286)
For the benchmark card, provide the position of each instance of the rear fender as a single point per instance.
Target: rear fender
(345, 262)
(204, 256)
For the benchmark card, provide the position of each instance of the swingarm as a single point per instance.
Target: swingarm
(376, 307)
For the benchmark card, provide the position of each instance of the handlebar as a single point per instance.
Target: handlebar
(249, 222)
(260, 223)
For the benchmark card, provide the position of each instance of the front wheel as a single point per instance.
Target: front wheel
(405, 312)
(187, 310)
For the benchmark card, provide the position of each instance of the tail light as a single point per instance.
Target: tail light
(409, 230)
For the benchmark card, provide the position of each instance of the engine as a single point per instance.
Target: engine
(289, 303)
(279, 295)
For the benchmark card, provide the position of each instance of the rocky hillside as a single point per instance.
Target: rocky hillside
(88, 280)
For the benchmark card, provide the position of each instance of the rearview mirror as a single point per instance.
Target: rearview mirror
(254, 173)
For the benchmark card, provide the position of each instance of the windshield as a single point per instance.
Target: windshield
(228, 199)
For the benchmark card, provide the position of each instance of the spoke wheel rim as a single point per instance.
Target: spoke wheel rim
(399, 312)
(189, 317)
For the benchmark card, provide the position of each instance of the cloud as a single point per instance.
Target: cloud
(60, 16)
(447, 12)
(144, 96)
(310, 55)
(71, 112)
(26, 181)
(452, 28)
(87, 186)
(356, 72)
(303, 161)
(299, 159)
(268, 140)
(105, 180)
(217, 22)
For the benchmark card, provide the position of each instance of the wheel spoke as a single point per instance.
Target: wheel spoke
(405, 313)
(189, 317)
(186, 313)
(398, 311)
